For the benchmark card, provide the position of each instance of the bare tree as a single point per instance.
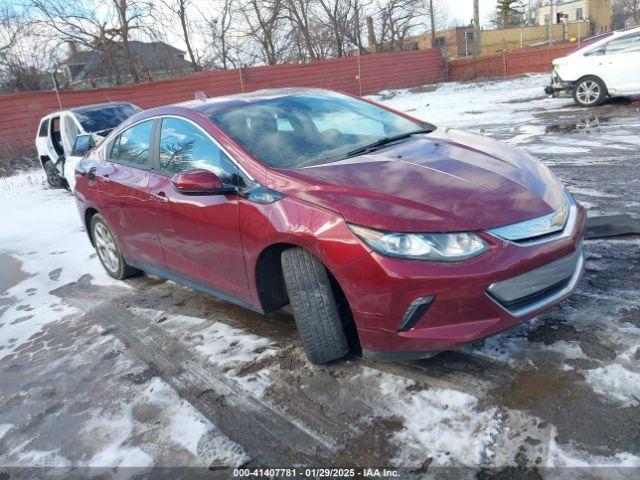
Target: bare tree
(343, 18)
(108, 33)
(631, 8)
(265, 25)
(25, 53)
(126, 22)
(397, 19)
(225, 51)
(299, 13)
(11, 25)
(179, 9)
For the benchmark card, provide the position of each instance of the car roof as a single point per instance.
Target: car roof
(97, 106)
(86, 108)
(209, 106)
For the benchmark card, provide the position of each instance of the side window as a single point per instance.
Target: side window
(132, 145)
(628, 44)
(44, 128)
(183, 146)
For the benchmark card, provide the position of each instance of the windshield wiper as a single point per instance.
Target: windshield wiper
(385, 141)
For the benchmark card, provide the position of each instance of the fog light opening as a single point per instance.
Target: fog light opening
(415, 312)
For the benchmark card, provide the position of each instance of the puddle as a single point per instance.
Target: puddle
(580, 415)
(588, 124)
(11, 272)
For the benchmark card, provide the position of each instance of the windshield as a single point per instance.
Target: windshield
(309, 129)
(104, 117)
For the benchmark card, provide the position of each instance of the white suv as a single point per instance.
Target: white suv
(608, 65)
(65, 136)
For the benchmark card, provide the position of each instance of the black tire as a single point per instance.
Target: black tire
(314, 306)
(589, 92)
(54, 179)
(114, 264)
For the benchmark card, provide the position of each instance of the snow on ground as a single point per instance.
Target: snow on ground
(41, 233)
(619, 380)
(467, 104)
(41, 228)
(219, 345)
(456, 430)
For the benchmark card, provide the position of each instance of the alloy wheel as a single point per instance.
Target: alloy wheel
(106, 247)
(588, 92)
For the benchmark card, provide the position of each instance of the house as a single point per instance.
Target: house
(596, 12)
(108, 65)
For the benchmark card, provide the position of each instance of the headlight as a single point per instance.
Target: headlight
(439, 247)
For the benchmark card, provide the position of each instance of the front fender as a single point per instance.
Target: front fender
(295, 222)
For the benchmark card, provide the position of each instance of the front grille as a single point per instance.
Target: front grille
(533, 298)
(542, 229)
(534, 289)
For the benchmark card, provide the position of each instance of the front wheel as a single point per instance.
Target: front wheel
(590, 92)
(314, 306)
(108, 250)
(54, 179)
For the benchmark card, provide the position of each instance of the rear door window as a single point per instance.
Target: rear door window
(132, 147)
(44, 128)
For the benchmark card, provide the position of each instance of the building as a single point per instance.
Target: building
(596, 12)
(455, 42)
(458, 42)
(106, 67)
(573, 21)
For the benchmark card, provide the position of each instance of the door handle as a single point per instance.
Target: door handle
(161, 196)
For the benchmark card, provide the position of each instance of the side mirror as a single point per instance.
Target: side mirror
(200, 182)
(82, 144)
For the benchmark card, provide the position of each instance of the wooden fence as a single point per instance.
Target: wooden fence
(21, 112)
(507, 63)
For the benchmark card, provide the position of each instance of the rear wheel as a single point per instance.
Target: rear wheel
(590, 92)
(314, 306)
(54, 179)
(108, 250)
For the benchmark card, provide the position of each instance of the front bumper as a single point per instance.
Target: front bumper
(558, 86)
(472, 300)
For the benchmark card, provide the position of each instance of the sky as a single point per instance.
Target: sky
(462, 10)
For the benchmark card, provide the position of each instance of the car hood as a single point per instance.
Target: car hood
(440, 182)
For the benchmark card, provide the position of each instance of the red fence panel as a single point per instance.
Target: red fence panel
(527, 60)
(20, 112)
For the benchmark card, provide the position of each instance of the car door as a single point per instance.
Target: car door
(124, 198)
(69, 130)
(621, 64)
(200, 234)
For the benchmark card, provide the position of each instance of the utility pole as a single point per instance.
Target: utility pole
(476, 28)
(551, 39)
(433, 24)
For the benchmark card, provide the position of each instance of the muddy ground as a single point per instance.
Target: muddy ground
(95, 373)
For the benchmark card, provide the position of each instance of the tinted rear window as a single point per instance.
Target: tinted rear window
(105, 117)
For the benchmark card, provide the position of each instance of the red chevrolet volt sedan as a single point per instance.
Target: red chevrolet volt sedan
(381, 231)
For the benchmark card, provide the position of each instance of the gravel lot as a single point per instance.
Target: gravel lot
(125, 376)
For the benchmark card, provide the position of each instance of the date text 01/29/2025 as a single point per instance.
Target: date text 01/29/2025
(315, 473)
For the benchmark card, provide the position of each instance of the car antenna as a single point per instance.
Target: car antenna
(200, 95)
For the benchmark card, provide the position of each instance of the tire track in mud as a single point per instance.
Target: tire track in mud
(307, 416)
(269, 437)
